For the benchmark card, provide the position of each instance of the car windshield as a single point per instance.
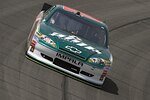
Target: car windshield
(73, 24)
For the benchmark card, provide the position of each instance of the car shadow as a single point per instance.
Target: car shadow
(110, 87)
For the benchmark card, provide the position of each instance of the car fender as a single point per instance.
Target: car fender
(35, 27)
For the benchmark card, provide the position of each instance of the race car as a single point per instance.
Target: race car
(71, 42)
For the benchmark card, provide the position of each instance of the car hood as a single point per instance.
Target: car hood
(73, 45)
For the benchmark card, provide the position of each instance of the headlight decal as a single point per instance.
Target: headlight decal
(100, 61)
(94, 60)
(45, 39)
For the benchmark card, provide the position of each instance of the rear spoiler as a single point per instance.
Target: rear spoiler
(46, 6)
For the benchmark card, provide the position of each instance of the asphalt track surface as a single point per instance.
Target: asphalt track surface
(129, 79)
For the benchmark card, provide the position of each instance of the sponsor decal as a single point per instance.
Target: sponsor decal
(75, 39)
(35, 38)
(107, 68)
(70, 38)
(73, 49)
(64, 57)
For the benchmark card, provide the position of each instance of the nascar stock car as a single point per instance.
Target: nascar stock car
(72, 42)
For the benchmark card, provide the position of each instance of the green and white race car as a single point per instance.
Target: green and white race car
(71, 42)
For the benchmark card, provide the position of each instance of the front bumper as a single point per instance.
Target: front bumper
(92, 75)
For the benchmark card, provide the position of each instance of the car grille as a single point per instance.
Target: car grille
(46, 57)
(66, 65)
(86, 74)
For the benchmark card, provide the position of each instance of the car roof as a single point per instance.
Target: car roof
(66, 8)
(81, 13)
